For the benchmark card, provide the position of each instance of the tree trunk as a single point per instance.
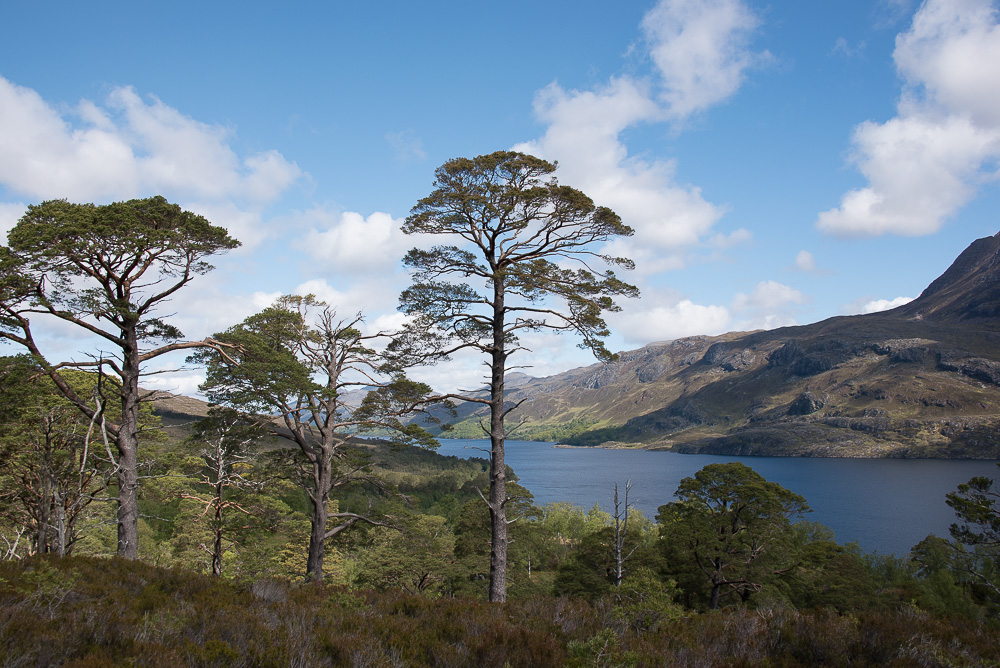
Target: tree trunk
(44, 515)
(498, 468)
(620, 531)
(60, 523)
(713, 603)
(320, 516)
(127, 441)
(128, 498)
(217, 545)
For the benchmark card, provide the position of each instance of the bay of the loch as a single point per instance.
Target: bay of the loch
(886, 505)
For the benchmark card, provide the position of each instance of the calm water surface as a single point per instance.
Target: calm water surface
(886, 505)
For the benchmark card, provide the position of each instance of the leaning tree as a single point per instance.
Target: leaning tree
(107, 271)
(528, 243)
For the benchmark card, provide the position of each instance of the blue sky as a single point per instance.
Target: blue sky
(782, 162)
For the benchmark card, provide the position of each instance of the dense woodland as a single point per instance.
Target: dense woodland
(730, 569)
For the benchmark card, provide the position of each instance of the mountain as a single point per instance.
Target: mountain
(920, 380)
(967, 293)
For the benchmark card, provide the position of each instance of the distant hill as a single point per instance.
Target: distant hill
(921, 380)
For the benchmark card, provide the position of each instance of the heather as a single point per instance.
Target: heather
(87, 611)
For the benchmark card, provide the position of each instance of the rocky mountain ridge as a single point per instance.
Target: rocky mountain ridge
(921, 380)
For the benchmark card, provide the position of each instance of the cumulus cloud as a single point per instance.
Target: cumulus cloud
(926, 163)
(952, 51)
(583, 134)
(875, 305)
(735, 238)
(767, 295)
(700, 52)
(804, 261)
(770, 304)
(666, 322)
(184, 382)
(701, 49)
(663, 315)
(465, 371)
(843, 48)
(350, 243)
(365, 297)
(128, 147)
(243, 224)
(210, 305)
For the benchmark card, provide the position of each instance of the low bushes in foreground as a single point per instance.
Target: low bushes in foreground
(79, 611)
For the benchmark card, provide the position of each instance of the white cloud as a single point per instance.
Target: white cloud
(43, 155)
(876, 305)
(926, 163)
(184, 382)
(769, 305)
(805, 261)
(952, 51)
(700, 52)
(9, 215)
(370, 298)
(244, 225)
(268, 175)
(349, 243)
(701, 49)
(847, 50)
(129, 147)
(921, 169)
(583, 134)
(767, 295)
(670, 321)
(208, 305)
(465, 371)
(735, 238)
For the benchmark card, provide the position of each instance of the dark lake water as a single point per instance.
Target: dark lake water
(886, 505)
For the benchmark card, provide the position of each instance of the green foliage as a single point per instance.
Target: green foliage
(519, 226)
(977, 505)
(53, 460)
(643, 602)
(473, 536)
(729, 524)
(819, 603)
(976, 538)
(588, 569)
(106, 270)
(827, 575)
(942, 589)
(518, 230)
(417, 556)
(85, 611)
(295, 361)
(587, 572)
